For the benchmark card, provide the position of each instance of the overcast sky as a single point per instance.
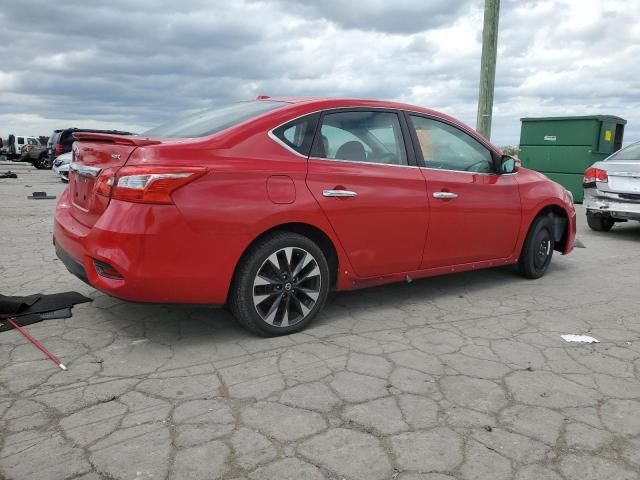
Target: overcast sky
(131, 64)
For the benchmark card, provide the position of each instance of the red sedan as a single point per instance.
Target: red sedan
(267, 205)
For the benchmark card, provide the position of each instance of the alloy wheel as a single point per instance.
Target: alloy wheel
(286, 287)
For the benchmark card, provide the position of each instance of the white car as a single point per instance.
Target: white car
(61, 166)
(612, 189)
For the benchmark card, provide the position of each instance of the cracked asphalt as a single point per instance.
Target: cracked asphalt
(458, 377)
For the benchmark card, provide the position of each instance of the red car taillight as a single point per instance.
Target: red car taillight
(105, 181)
(593, 175)
(150, 184)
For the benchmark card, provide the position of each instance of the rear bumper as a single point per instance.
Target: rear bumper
(159, 258)
(610, 205)
(73, 265)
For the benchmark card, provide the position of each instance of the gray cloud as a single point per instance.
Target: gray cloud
(400, 16)
(136, 64)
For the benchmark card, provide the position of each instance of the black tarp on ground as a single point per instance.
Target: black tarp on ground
(36, 308)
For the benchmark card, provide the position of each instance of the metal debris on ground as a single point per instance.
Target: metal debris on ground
(579, 338)
(40, 196)
(8, 174)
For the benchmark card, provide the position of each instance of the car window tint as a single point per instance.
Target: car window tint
(448, 148)
(20, 141)
(298, 134)
(373, 137)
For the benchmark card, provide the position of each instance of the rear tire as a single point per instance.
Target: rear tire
(280, 284)
(599, 222)
(538, 248)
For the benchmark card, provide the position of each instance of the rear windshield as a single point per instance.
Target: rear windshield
(212, 121)
(632, 152)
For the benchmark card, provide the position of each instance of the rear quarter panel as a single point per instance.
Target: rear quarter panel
(229, 207)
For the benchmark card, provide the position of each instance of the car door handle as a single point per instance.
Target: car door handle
(445, 195)
(339, 193)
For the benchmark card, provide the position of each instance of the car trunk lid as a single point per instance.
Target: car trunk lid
(624, 177)
(97, 157)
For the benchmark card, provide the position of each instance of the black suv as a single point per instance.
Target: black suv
(61, 140)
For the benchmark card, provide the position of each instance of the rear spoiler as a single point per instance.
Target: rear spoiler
(111, 138)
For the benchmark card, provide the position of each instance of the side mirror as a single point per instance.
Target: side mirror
(509, 164)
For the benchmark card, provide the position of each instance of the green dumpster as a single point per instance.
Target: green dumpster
(563, 147)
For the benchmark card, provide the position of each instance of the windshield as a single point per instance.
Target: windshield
(632, 152)
(212, 121)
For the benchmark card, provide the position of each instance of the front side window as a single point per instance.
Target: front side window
(448, 148)
(298, 134)
(20, 141)
(361, 136)
(212, 121)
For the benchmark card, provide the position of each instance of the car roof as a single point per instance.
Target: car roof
(334, 102)
(326, 103)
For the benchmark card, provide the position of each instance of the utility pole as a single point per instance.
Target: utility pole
(488, 66)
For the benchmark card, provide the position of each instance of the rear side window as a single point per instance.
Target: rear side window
(67, 139)
(361, 136)
(298, 134)
(20, 140)
(632, 152)
(212, 121)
